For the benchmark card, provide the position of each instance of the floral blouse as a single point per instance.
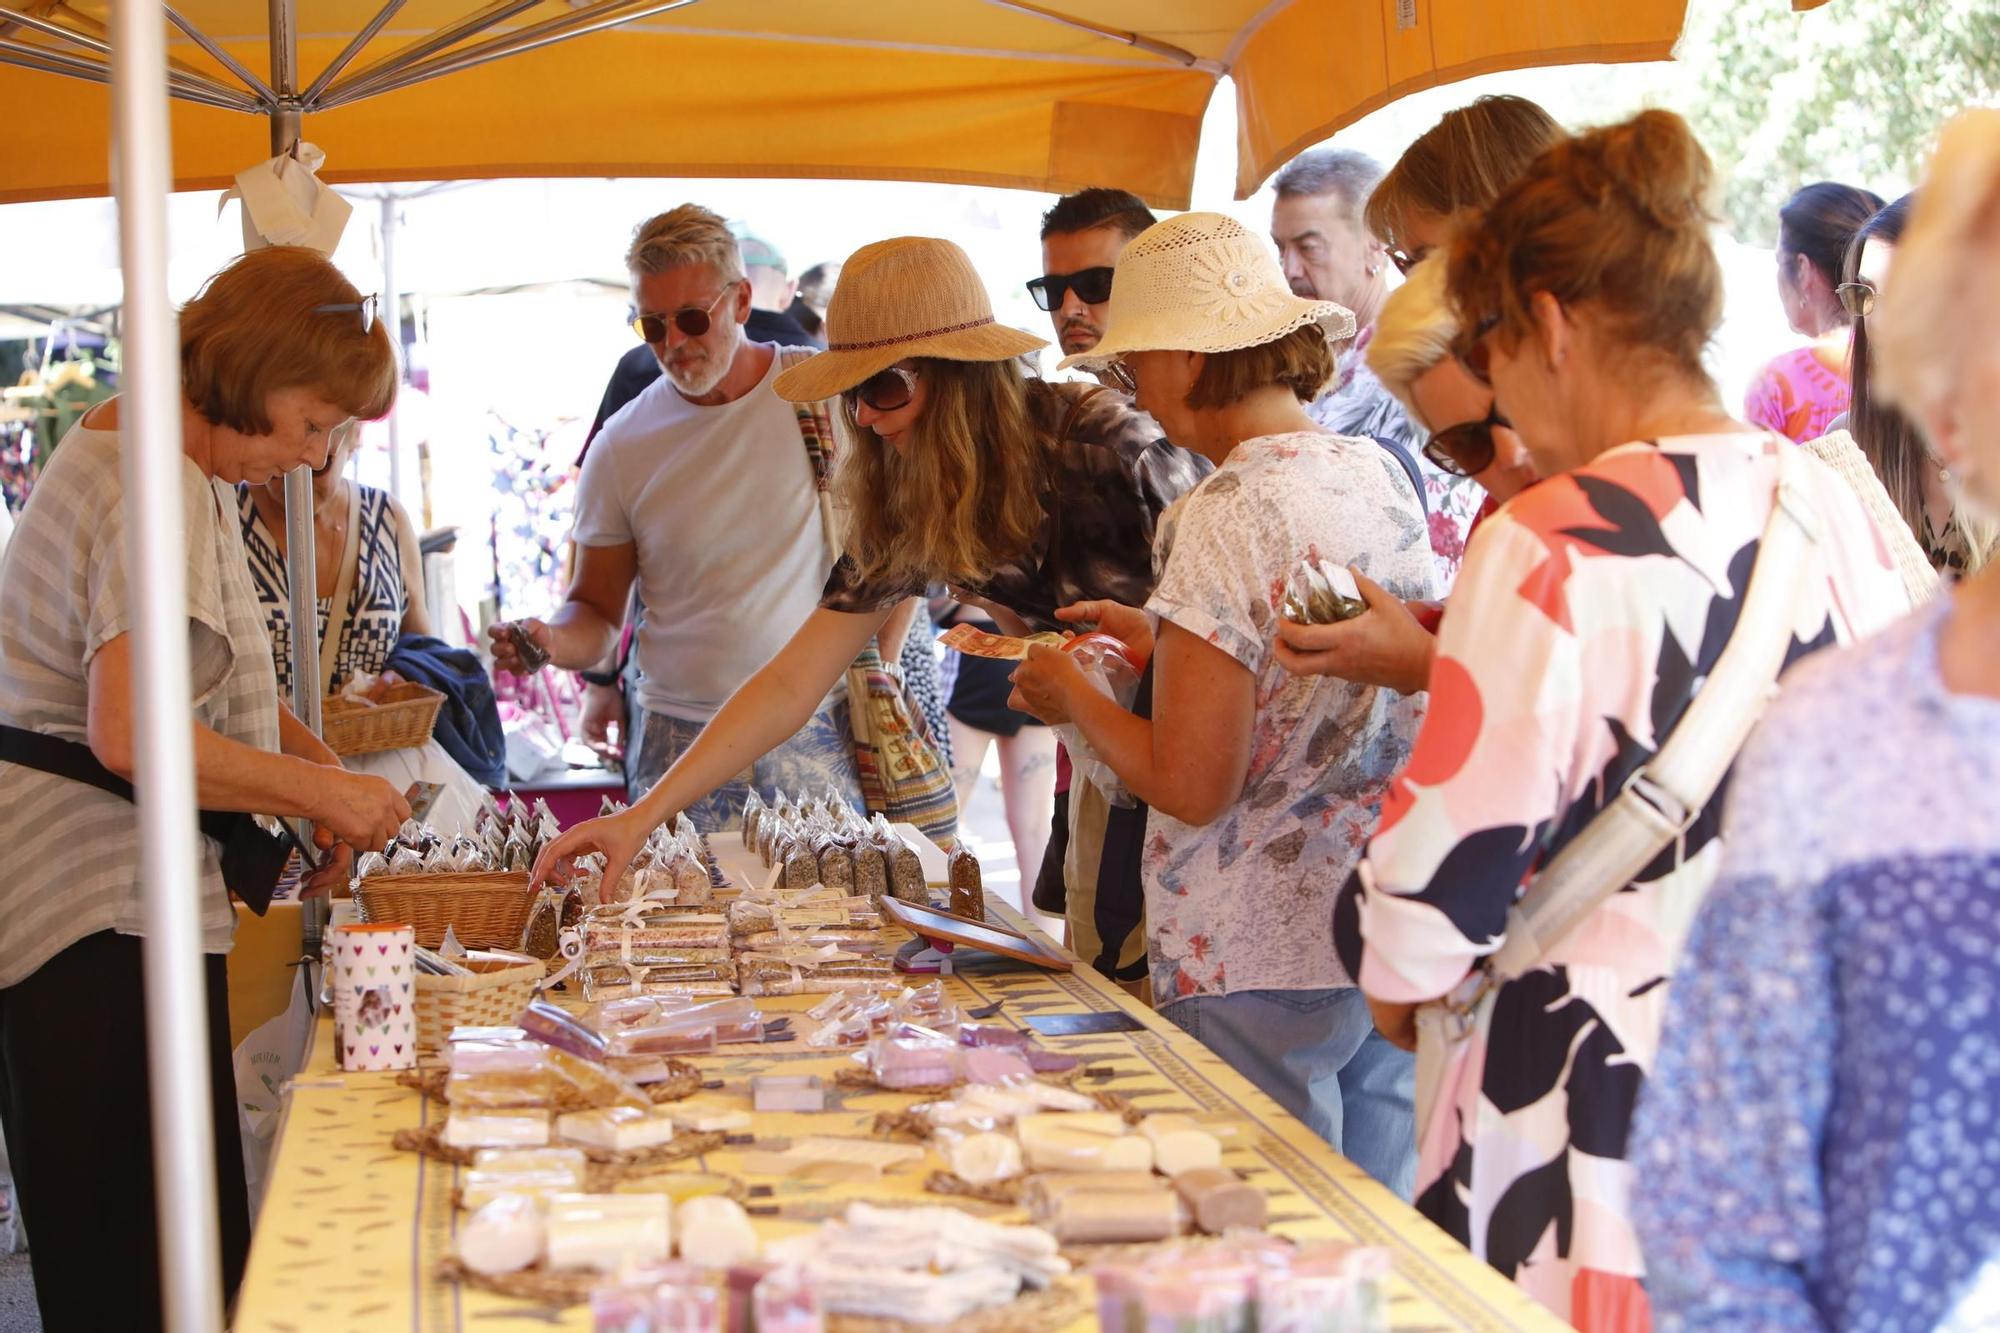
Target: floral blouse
(1113, 476)
(1796, 396)
(1244, 903)
(1819, 1146)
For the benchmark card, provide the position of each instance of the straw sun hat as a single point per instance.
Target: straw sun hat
(1203, 282)
(911, 296)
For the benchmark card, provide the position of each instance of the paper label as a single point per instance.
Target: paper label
(1406, 15)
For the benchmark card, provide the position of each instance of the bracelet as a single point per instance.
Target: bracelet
(599, 677)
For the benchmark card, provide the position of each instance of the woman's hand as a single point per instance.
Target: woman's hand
(1384, 645)
(619, 837)
(359, 809)
(1128, 624)
(1042, 684)
(1396, 1022)
(1005, 619)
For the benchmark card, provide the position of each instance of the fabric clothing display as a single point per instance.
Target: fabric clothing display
(719, 502)
(1113, 475)
(1797, 396)
(1816, 1137)
(818, 758)
(75, 848)
(375, 609)
(468, 723)
(1588, 611)
(1237, 904)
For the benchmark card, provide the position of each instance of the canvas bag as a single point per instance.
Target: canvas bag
(903, 776)
(1660, 801)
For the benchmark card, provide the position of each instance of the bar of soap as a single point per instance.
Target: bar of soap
(697, 1118)
(982, 1159)
(617, 1128)
(787, 1092)
(1054, 1148)
(504, 1236)
(1219, 1200)
(1085, 1218)
(1044, 1190)
(508, 1128)
(478, 1188)
(1105, 1124)
(995, 1064)
(1175, 1151)
(500, 1056)
(716, 1233)
(608, 1232)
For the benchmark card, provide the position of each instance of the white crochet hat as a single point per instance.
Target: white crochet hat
(1203, 282)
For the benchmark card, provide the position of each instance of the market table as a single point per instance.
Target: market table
(352, 1231)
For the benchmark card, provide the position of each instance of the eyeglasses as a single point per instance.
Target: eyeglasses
(1856, 298)
(885, 391)
(1091, 285)
(1121, 378)
(1466, 449)
(1405, 260)
(367, 306)
(691, 320)
(1472, 352)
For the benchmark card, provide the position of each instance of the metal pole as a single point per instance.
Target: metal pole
(392, 310)
(156, 569)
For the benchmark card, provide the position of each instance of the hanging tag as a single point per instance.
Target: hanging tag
(1406, 15)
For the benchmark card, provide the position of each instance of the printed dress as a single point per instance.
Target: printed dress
(375, 609)
(1589, 609)
(1796, 396)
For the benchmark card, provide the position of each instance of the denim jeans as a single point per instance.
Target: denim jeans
(1317, 1054)
(819, 757)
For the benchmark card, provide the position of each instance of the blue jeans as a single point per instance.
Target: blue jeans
(1317, 1054)
(819, 757)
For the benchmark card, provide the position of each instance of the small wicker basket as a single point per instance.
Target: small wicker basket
(486, 909)
(405, 717)
(494, 997)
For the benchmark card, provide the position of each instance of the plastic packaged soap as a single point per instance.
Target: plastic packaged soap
(557, 1027)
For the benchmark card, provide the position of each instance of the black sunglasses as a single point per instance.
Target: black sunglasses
(690, 320)
(1091, 285)
(1405, 260)
(1857, 298)
(1466, 449)
(1472, 352)
(367, 306)
(886, 390)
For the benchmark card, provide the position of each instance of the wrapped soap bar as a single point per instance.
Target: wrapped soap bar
(916, 1060)
(608, 1232)
(1080, 1141)
(617, 1128)
(495, 1055)
(1179, 1145)
(500, 1088)
(632, 1043)
(1131, 1217)
(983, 1158)
(478, 1188)
(557, 1027)
(787, 1300)
(1220, 1200)
(715, 1232)
(1045, 1192)
(968, 894)
(594, 1084)
(994, 1064)
(515, 1127)
(698, 1116)
(503, 1236)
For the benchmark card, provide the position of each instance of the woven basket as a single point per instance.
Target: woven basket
(404, 718)
(494, 997)
(486, 910)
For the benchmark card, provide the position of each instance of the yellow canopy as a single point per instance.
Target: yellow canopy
(1053, 96)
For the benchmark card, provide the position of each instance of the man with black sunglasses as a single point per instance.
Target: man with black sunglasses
(1081, 237)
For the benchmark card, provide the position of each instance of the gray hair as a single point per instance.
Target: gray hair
(689, 234)
(1337, 171)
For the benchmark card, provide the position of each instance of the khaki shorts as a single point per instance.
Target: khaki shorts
(1088, 811)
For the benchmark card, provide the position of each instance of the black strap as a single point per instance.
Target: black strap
(252, 859)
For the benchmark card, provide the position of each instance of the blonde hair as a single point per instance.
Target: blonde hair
(689, 234)
(258, 326)
(1413, 333)
(1460, 163)
(966, 493)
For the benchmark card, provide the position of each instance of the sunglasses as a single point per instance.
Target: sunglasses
(1466, 449)
(1091, 285)
(368, 306)
(1856, 298)
(1472, 352)
(885, 391)
(690, 320)
(1405, 260)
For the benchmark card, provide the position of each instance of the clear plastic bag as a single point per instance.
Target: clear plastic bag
(1110, 672)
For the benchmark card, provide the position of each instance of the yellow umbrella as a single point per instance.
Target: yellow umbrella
(1052, 96)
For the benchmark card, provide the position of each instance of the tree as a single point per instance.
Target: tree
(1854, 91)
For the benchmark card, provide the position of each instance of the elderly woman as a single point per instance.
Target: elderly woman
(1800, 393)
(1025, 495)
(277, 352)
(1815, 1148)
(1590, 610)
(1391, 644)
(1262, 785)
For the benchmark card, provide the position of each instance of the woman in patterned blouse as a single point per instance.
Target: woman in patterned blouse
(1817, 1147)
(1590, 609)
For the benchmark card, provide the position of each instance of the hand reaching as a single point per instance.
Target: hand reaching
(619, 837)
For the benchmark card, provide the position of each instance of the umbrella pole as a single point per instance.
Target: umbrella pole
(392, 310)
(156, 568)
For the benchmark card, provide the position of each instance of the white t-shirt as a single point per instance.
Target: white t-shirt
(721, 505)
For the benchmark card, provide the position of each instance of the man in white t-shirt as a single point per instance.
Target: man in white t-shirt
(701, 490)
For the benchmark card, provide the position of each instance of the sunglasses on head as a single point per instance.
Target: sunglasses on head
(1091, 285)
(690, 320)
(1119, 376)
(1466, 449)
(1472, 352)
(885, 391)
(367, 306)
(1405, 260)
(1857, 298)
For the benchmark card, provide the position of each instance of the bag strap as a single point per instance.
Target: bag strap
(343, 589)
(1663, 797)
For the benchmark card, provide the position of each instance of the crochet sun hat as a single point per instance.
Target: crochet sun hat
(910, 296)
(1202, 282)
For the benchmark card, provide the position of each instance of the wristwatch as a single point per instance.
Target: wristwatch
(599, 677)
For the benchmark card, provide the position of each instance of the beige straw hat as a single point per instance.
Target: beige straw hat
(910, 296)
(1203, 282)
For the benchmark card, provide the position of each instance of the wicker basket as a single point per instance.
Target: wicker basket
(486, 910)
(404, 718)
(494, 997)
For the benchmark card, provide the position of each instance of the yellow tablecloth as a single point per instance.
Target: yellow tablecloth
(352, 1231)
